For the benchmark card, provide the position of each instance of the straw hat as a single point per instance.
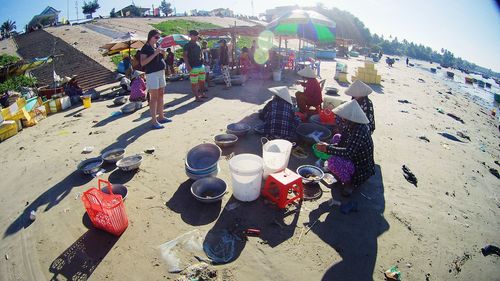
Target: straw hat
(283, 93)
(352, 112)
(137, 73)
(358, 89)
(307, 72)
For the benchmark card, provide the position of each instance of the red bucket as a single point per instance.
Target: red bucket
(106, 211)
(326, 116)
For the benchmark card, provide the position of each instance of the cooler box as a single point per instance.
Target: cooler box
(65, 103)
(8, 129)
(55, 105)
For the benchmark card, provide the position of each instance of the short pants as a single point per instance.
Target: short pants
(197, 74)
(155, 80)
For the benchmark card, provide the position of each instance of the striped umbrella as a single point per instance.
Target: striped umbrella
(172, 40)
(304, 24)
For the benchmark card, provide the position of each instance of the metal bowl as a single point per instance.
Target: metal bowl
(200, 176)
(138, 105)
(128, 108)
(259, 129)
(113, 155)
(120, 100)
(305, 129)
(91, 165)
(209, 189)
(225, 140)
(203, 156)
(201, 172)
(310, 173)
(118, 189)
(129, 163)
(331, 91)
(238, 129)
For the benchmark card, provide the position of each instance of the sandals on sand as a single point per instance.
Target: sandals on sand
(157, 126)
(163, 121)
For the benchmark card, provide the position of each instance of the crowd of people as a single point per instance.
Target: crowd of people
(351, 148)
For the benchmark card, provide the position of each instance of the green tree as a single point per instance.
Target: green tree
(90, 7)
(112, 14)
(7, 28)
(166, 8)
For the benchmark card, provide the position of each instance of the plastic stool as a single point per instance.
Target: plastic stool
(279, 185)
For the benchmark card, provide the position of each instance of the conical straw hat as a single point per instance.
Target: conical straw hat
(307, 72)
(283, 93)
(352, 112)
(358, 89)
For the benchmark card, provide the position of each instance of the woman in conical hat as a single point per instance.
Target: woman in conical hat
(359, 91)
(279, 116)
(312, 91)
(355, 146)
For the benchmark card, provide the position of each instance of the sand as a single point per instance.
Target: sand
(436, 229)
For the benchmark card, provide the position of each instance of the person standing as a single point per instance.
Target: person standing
(224, 62)
(194, 65)
(154, 66)
(170, 62)
(407, 61)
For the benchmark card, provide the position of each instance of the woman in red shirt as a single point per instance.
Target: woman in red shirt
(312, 91)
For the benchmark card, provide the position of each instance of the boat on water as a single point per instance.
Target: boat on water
(480, 83)
(469, 80)
(433, 70)
(450, 74)
(488, 85)
(497, 97)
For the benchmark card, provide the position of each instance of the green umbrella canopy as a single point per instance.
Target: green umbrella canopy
(304, 24)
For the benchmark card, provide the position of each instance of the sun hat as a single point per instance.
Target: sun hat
(193, 33)
(137, 73)
(352, 112)
(307, 72)
(358, 89)
(282, 92)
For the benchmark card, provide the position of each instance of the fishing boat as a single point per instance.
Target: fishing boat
(480, 83)
(488, 85)
(450, 74)
(469, 80)
(433, 70)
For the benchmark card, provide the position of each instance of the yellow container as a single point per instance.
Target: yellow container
(369, 65)
(55, 105)
(87, 102)
(8, 129)
(378, 79)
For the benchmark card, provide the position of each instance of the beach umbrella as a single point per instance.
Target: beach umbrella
(127, 41)
(172, 40)
(304, 24)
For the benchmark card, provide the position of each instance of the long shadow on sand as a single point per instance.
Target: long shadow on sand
(50, 198)
(129, 137)
(354, 236)
(79, 260)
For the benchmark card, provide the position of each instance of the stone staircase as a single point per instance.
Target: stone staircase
(69, 61)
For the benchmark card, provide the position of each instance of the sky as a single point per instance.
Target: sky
(469, 29)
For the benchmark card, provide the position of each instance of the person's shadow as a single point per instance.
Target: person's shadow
(50, 198)
(354, 235)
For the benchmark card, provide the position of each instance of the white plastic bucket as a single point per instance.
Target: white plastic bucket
(246, 175)
(277, 76)
(275, 154)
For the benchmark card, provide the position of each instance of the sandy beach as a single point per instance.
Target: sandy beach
(431, 232)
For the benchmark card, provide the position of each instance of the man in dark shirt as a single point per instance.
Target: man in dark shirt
(194, 64)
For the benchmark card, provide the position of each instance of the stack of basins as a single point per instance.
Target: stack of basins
(202, 161)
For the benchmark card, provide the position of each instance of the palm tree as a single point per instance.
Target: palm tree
(7, 27)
